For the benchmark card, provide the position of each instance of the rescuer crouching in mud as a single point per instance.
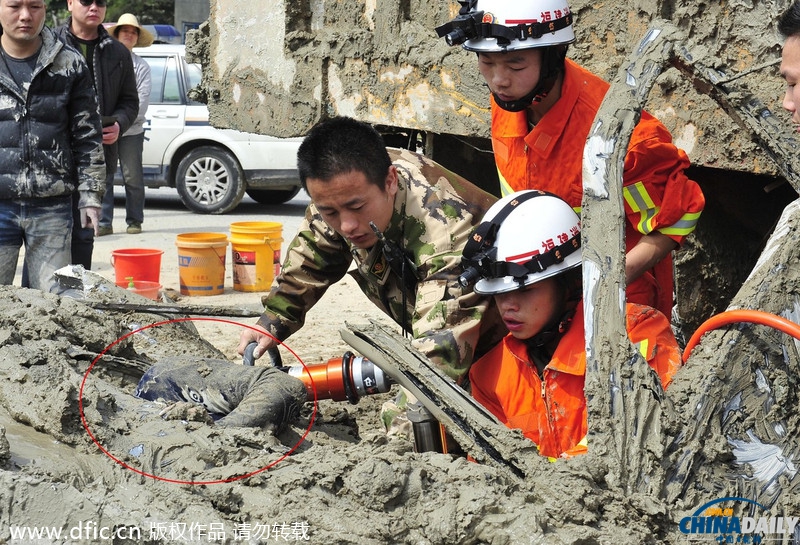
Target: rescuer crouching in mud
(534, 379)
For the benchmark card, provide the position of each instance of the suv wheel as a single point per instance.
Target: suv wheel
(210, 181)
(273, 196)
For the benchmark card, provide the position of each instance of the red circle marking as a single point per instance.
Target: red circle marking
(178, 481)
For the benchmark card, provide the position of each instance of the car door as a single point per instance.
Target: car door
(166, 115)
(196, 112)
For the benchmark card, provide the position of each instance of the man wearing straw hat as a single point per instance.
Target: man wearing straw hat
(131, 34)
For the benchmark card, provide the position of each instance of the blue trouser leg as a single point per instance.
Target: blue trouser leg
(44, 226)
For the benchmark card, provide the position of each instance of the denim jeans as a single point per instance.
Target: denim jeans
(45, 227)
(130, 160)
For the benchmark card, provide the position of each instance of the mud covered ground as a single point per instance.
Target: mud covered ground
(79, 448)
(81, 455)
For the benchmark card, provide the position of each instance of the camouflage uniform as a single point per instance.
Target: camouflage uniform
(435, 211)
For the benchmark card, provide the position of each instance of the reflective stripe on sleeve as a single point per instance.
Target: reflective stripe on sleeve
(683, 226)
(640, 202)
(643, 348)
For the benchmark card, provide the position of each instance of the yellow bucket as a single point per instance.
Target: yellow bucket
(256, 254)
(201, 263)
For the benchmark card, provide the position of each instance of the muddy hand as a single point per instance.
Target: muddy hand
(186, 410)
(260, 337)
(90, 218)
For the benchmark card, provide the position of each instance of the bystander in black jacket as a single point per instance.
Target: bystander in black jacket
(66, 157)
(115, 83)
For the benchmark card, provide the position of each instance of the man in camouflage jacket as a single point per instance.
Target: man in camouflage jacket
(407, 262)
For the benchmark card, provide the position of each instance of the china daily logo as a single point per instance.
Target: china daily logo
(715, 522)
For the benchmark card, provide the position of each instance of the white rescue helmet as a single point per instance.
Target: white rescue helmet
(535, 23)
(536, 235)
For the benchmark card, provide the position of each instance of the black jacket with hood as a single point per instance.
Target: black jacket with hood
(50, 135)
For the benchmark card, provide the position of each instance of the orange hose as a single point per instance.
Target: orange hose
(734, 316)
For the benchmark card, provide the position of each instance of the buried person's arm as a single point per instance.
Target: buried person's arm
(232, 395)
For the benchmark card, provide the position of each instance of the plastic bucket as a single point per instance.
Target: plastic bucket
(142, 287)
(141, 264)
(256, 254)
(201, 263)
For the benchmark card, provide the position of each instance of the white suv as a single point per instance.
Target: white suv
(211, 168)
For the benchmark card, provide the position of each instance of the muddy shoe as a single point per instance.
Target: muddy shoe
(104, 230)
(134, 228)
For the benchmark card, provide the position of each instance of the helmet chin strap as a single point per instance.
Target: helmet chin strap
(552, 65)
(553, 330)
(539, 92)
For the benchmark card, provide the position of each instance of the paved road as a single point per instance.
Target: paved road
(166, 218)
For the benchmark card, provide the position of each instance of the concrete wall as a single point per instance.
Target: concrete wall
(277, 67)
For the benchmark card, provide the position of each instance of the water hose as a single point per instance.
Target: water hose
(735, 316)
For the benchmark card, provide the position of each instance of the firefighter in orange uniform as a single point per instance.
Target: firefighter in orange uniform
(528, 257)
(543, 107)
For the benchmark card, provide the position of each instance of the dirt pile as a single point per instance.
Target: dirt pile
(345, 482)
(81, 454)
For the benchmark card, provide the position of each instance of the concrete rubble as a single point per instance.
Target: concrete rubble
(79, 453)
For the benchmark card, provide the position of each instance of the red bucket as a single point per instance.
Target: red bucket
(137, 263)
